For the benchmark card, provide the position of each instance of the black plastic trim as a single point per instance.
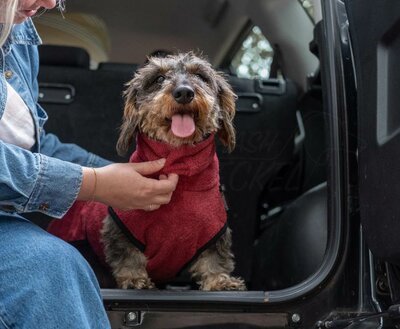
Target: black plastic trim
(255, 106)
(270, 86)
(191, 295)
(56, 93)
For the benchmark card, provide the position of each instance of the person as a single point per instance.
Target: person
(44, 282)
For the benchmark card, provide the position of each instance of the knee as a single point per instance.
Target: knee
(57, 257)
(46, 280)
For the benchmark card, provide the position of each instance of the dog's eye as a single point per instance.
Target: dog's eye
(202, 77)
(159, 79)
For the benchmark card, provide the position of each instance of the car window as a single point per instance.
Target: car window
(254, 58)
(308, 7)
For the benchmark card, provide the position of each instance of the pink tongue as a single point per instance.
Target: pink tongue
(182, 125)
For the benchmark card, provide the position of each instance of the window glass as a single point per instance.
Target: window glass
(254, 58)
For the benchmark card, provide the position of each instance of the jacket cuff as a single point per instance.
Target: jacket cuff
(56, 188)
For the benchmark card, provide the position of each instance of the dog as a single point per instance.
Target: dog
(174, 108)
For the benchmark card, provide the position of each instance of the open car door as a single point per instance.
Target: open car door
(375, 36)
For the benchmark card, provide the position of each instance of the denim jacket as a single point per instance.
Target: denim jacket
(48, 177)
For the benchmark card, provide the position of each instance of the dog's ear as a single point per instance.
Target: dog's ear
(130, 121)
(227, 100)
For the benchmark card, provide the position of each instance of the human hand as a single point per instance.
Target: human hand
(123, 185)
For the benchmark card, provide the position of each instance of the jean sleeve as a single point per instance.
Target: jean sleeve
(35, 182)
(51, 146)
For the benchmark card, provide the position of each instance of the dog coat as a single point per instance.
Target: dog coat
(173, 235)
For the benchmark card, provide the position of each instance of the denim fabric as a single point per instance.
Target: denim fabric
(48, 177)
(44, 282)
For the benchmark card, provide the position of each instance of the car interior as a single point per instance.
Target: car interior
(275, 179)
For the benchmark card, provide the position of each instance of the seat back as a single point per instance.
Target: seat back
(64, 56)
(85, 106)
(265, 124)
(293, 246)
(120, 67)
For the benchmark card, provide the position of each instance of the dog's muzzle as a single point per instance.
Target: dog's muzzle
(183, 94)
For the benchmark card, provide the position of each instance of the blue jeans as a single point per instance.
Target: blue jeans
(44, 282)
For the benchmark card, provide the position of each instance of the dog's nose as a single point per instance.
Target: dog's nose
(183, 94)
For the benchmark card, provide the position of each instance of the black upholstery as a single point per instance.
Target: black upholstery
(120, 67)
(293, 247)
(64, 56)
(314, 150)
(265, 140)
(93, 117)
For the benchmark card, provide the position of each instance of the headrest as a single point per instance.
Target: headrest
(64, 56)
(120, 67)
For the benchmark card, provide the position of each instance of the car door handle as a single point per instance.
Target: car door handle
(249, 102)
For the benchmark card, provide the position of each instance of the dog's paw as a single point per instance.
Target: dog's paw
(222, 282)
(136, 283)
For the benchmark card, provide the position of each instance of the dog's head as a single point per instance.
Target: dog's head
(179, 100)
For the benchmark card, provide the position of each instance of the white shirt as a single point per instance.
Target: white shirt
(16, 124)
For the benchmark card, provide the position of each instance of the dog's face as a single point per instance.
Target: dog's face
(179, 100)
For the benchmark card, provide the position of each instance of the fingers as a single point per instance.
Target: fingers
(158, 201)
(149, 194)
(165, 185)
(172, 180)
(150, 167)
(151, 207)
(161, 199)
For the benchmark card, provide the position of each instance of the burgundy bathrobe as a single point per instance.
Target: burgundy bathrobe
(173, 235)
